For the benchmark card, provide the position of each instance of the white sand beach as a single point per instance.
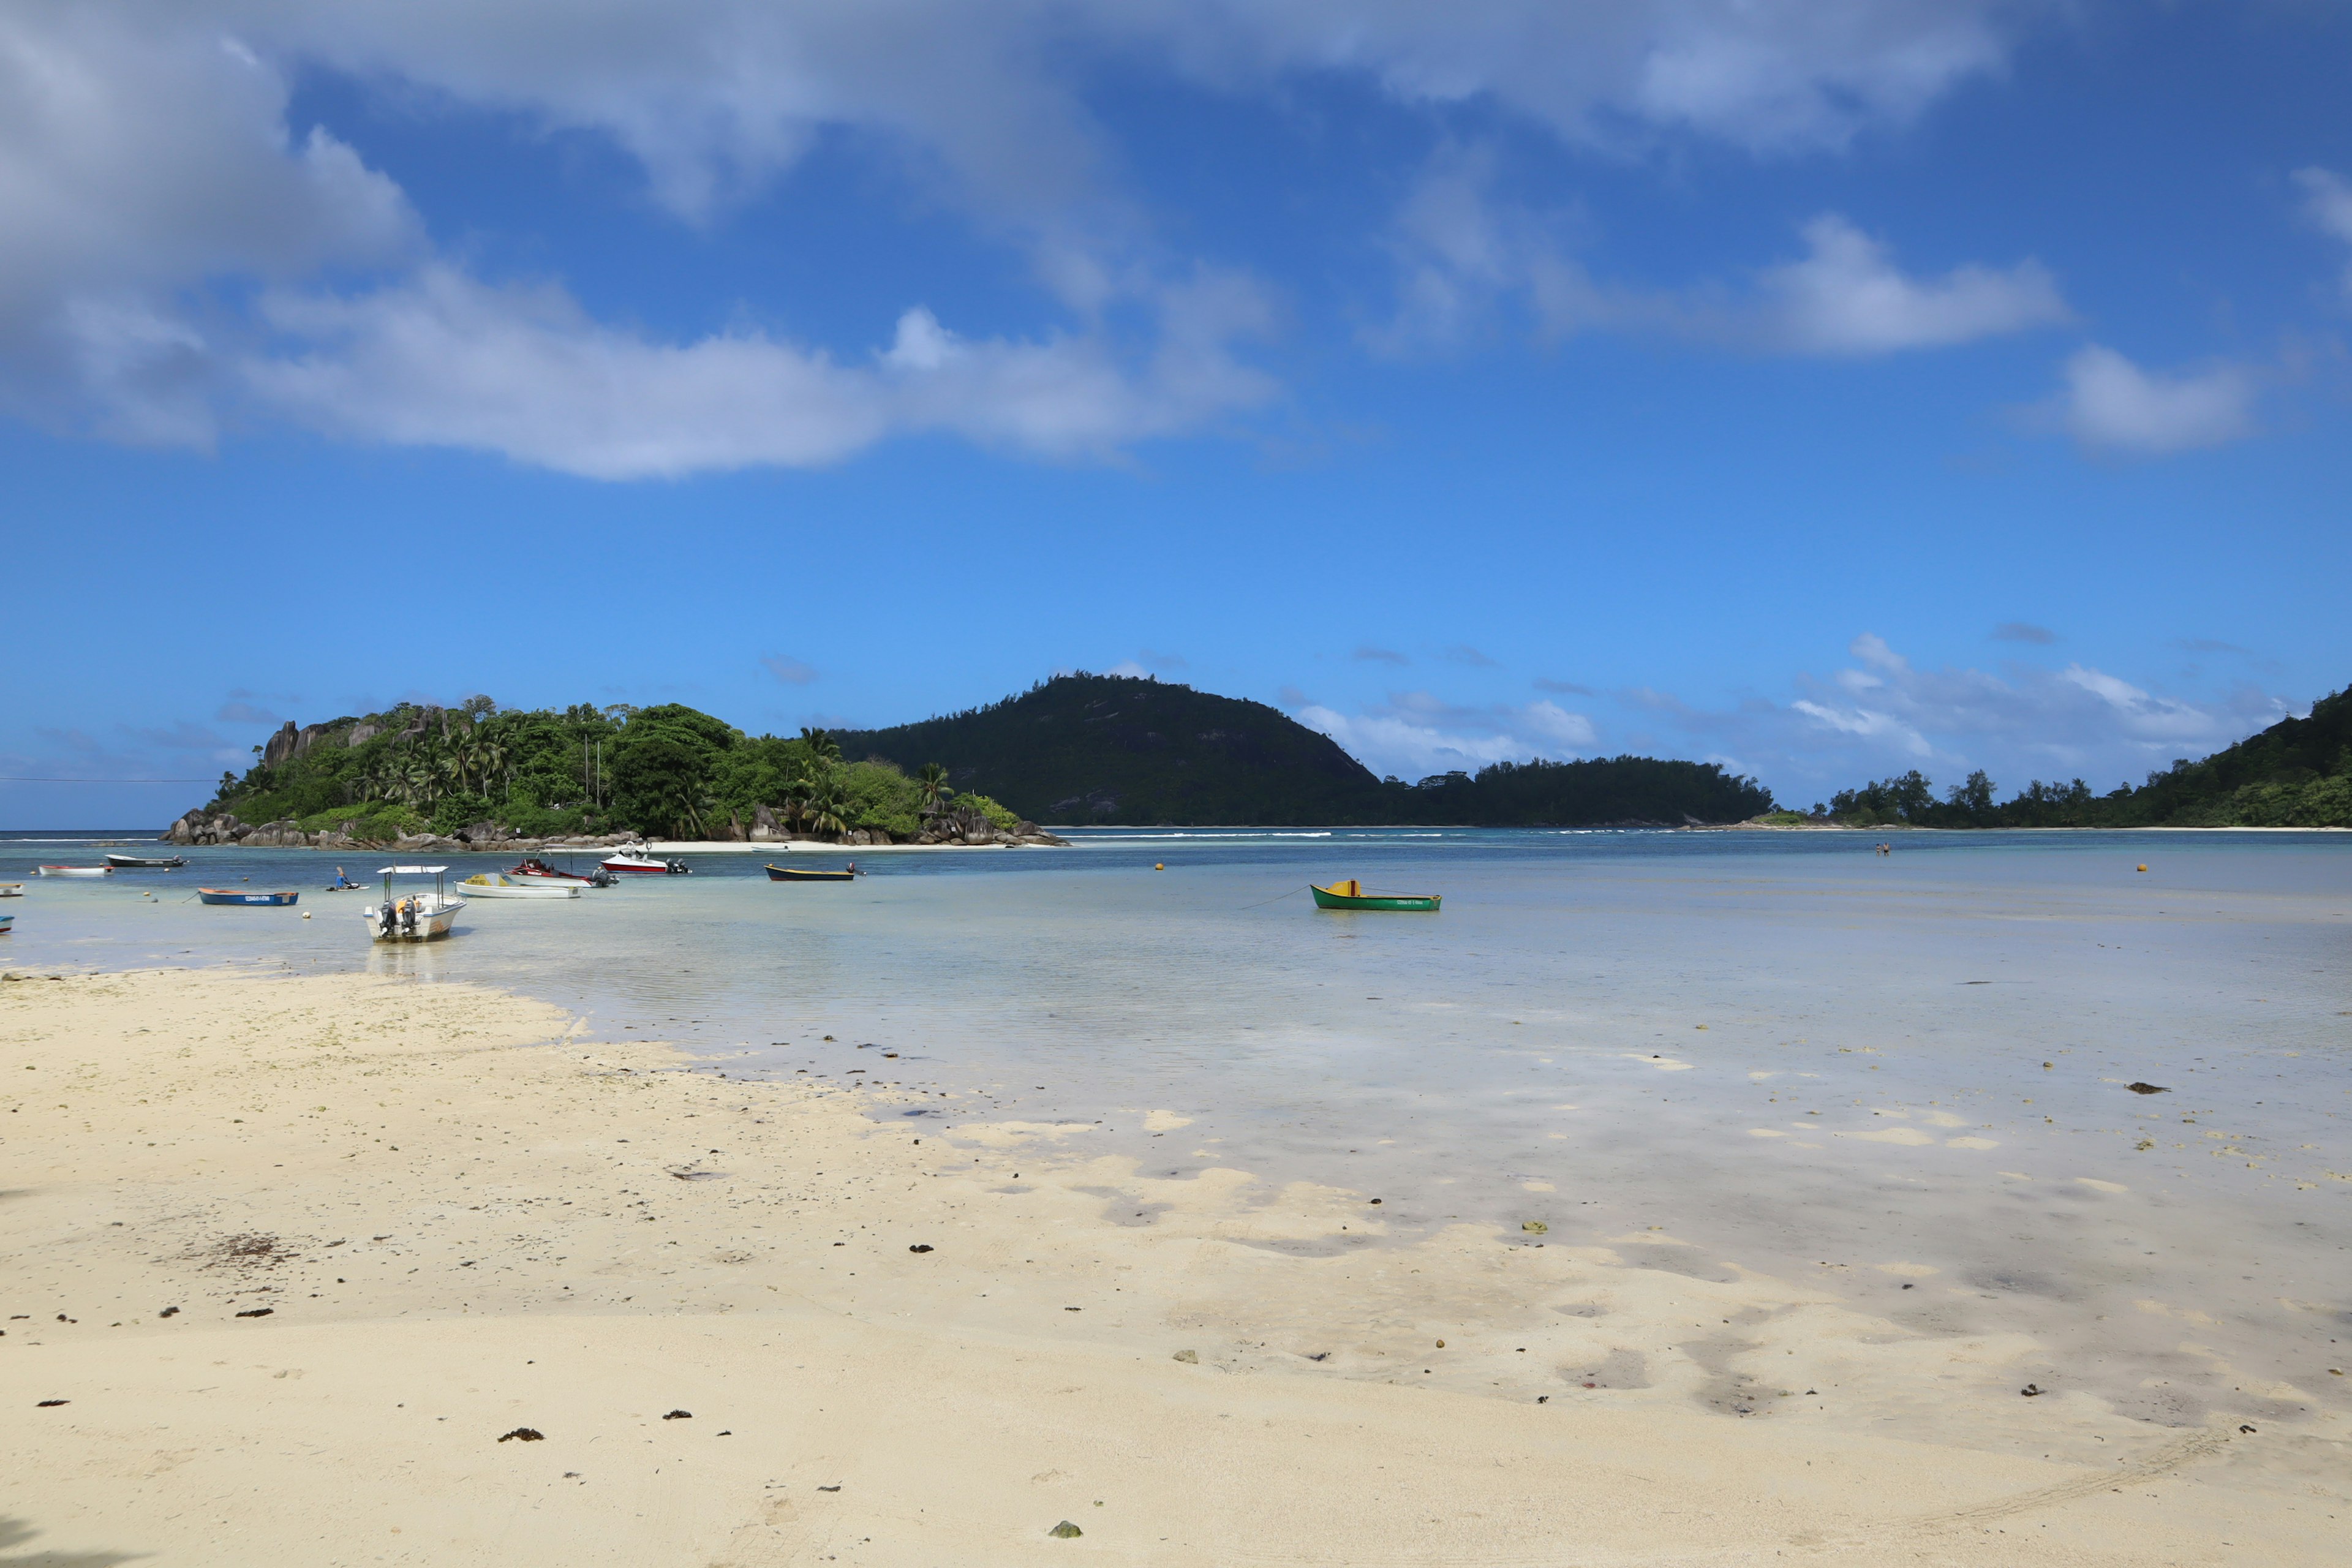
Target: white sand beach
(530, 1300)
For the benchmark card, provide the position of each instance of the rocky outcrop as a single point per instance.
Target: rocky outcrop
(957, 824)
(765, 828)
(284, 834)
(195, 828)
(280, 745)
(363, 733)
(736, 832)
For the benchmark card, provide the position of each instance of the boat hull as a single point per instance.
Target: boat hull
(146, 862)
(6, 922)
(639, 866)
(789, 874)
(1394, 903)
(234, 896)
(76, 870)
(431, 920)
(481, 888)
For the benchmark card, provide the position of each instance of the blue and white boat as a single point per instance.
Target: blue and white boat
(231, 895)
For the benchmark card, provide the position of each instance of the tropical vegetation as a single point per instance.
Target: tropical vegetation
(2296, 774)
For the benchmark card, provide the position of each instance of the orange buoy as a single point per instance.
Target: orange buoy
(1158, 867)
(2143, 867)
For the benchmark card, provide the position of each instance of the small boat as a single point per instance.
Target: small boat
(539, 870)
(12, 890)
(416, 917)
(1350, 895)
(76, 870)
(794, 874)
(635, 860)
(235, 896)
(146, 862)
(491, 885)
(6, 922)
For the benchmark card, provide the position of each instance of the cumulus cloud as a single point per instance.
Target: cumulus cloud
(149, 180)
(1415, 733)
(135, 162)
(445, 360)
(2327, 204)
(1847, 297)
(2111, 404)
(1461, 251)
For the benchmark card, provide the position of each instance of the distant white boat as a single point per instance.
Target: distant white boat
(12, 890)
(491, 885)
(413, 917)
(77, 870)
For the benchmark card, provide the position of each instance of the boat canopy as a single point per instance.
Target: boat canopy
(410, 871)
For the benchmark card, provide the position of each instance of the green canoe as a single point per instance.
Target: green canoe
(1350, 895)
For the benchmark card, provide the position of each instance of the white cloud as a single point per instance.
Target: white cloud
(1461, 251)
(2112, 405)
(1415, 735)
(148, 178)
(137, 160)
(445, 359)
(2327, 204)
(1848, 297)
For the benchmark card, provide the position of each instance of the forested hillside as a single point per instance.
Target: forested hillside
(2296, 774)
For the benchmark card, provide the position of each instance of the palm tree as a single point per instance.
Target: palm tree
(821, 744)
(933, 782)
(822, 810)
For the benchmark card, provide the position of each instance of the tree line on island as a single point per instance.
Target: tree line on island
(1109, 751)
(2296, 774)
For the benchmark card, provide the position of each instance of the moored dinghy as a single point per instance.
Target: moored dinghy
(491, 885)
(75, 871)
(636, 861)
(239, 895)
(1350, 895)
(147, 862)
(415, 917)
(794, 874)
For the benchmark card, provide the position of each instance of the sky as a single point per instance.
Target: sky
(1826, 388)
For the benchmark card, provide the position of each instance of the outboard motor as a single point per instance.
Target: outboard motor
(384, 918)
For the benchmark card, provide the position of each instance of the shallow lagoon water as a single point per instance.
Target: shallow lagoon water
(1716, 1051)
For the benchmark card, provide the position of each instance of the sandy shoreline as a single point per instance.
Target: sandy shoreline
(461, 1221)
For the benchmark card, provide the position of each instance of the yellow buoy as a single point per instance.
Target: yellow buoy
(2143, 867)
(1158, 867)
(306, 914)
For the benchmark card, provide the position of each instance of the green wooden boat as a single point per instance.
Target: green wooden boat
(1350, 895)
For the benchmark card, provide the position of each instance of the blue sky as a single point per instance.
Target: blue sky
(1827, 387)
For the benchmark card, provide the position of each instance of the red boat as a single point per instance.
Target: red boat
(542, 871)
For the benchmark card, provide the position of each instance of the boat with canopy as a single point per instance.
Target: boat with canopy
(415, 917)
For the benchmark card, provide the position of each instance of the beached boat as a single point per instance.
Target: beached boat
(146, 862)
(538, 870)
(1350, 895)
(75, 871)
(791, 874)
(413, 917)
(635, 860)
(236, 896)
(491, 885)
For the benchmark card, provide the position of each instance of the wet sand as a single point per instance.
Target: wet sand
(460, 1218)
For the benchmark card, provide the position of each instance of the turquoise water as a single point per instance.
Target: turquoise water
(1599, 1030)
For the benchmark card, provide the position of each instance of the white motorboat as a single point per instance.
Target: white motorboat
(76, 870)
(491, 885)
(12, 890)
(636, 859)
(413, 917)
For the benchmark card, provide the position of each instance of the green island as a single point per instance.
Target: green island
(2296, 774)
(1100, 750)
(1077, 749)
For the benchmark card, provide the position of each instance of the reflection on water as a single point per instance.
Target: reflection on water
(1802, 1057)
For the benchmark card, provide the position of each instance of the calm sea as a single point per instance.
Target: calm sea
(1808, 1058)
